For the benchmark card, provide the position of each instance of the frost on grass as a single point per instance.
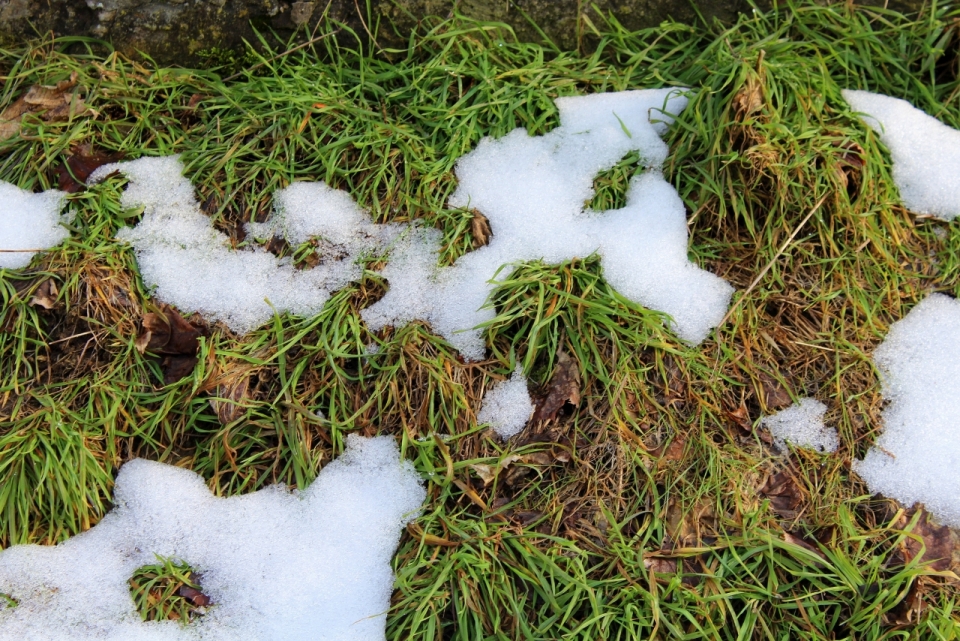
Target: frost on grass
(191, 265)
(507, 406)
(917, 456)
(277, 565)
(802, 425)
(925, 152)
(28, 221)
(533, 191)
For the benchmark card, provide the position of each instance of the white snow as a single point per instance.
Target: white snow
(917, 456)
(925, 152)
(533, 191)
(277, 565)
(29, 221)
(191, 265)
(802, 425)
(507, 406)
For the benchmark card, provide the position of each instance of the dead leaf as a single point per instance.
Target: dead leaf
(660, 565)
(798, 540)
(173, 338)
(775, 395)
(749, 99)
(52, 103)
(480, 229)
(672, 452)
(229, 396)
(168, 333)
(45, 296)
(931, 543)
(564, 388)
(908, 611)
(175, 368)
(73, 173)
(195, 596)
(740, 417)
(784, 494)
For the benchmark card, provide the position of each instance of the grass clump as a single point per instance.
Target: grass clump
(167, 591)
(655, 506)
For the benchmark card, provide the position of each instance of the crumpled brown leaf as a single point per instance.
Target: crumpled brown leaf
(196, 597)
(784, 494)
(230, 393)
(73, 173)
(52, 103)
(45, 295)
(775, 395)
(174, 339)
(935, 544)
(740, 417)
(564, 388)
(480, 228)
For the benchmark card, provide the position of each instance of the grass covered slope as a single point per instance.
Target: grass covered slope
(654, 505)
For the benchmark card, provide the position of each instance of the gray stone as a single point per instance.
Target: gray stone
(179, 31)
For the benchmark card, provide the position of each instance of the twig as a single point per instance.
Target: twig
(356, 4)
(14, 251)
(764, 271)
(281, 55)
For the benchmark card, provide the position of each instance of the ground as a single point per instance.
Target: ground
(653, 504)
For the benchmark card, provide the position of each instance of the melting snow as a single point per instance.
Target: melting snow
(278, 565)
(507, 406)
(925, 152)
(802, 425)
(533, 190)
(191, 265)
(29, 221)
(917, 456)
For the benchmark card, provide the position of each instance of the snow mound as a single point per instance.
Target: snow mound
(925, 152)
(277, 565)
(802, 425)
(507, 406)
(916, 457)
(533, 191)
(191, 265)
(29, 221)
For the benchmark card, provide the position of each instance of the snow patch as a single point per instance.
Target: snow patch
(925, 152)
(533, 191)
(277, 565)
(191, 265)
(916, 457)
(802, 425)
(507, 406)
(29, 221)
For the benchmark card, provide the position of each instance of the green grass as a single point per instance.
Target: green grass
(641, 512)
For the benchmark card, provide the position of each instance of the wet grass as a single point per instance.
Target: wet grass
(654, 508)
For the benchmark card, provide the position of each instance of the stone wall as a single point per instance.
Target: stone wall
(176, 31)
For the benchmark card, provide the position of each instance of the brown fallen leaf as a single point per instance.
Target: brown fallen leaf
(480, 229)
(195, 596)
(230, 393)
(73, 173)
(564, 388)
(784, 494)
(45, 295)
(52, 103)
(908, 611)
(660, 565)
(174, 339)
(773, 393)
(929, 544)
(168, 333)
(749, 99)
(796, 539)
(671, 453)
(740, 417)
